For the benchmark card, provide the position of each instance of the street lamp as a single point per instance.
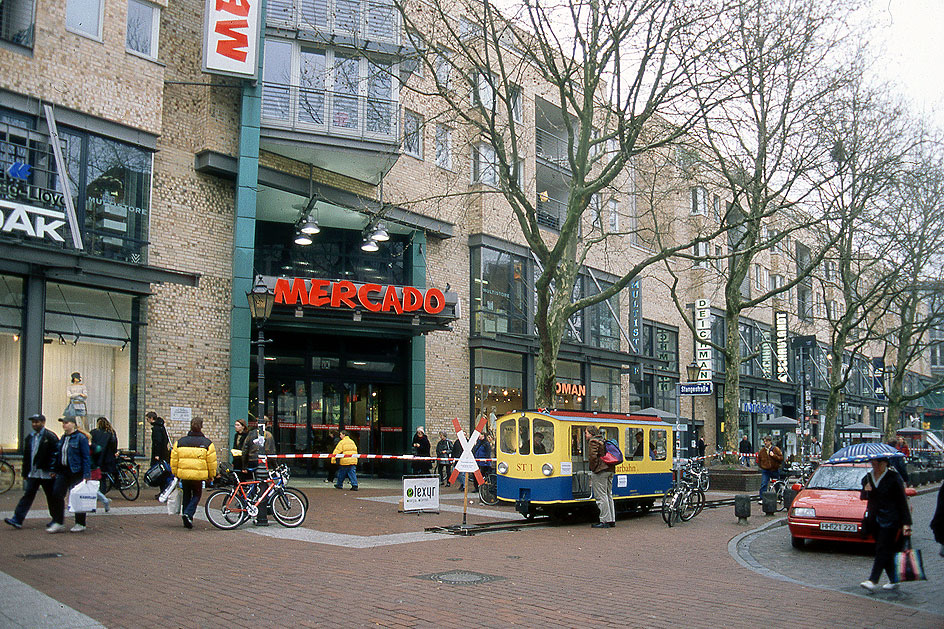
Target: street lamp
(261, 300)
(693, 371)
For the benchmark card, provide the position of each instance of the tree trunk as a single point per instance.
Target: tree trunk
(732, 386)
(832, 404)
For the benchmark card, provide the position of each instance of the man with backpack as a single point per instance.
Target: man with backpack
(601, 478)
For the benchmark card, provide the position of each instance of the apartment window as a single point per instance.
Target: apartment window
(716, 207)
(484, 95)
(514, 94)
(614, 215)
(484, 165)
(595, 219)
(85, 17)
(699, 201)
(444, 147)
(776, 246)
(443, 66)
(16, 22)
(776, 281)
(413, 134)
(804, 302)
(718, 258)
(143, 24)
(701, 251)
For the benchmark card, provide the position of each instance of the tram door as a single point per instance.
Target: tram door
(579, 462)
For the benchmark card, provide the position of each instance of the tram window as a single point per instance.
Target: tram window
(634, 443)
(657, 441)
(524, 432)
(543, 436)
(576, 440)
(507, 437)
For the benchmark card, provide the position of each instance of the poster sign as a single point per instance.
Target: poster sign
(181, 415)
(421, 493)
(231, 37)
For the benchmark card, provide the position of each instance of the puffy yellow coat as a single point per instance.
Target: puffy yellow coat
(193, 458)
(346, 447)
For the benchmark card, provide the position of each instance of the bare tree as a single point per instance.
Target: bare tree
(617, 75)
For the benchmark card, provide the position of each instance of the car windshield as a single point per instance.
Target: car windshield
(838, 477)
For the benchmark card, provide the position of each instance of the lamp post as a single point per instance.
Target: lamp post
(693, 371)
(261, 300)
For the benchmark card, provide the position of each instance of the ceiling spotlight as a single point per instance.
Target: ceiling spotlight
(75, 341)
(123, 346)
(302, 239)
(369, 246)
(311, 227)
(380, 234)
(62, 341)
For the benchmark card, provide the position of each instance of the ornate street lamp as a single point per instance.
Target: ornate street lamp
(261, 300)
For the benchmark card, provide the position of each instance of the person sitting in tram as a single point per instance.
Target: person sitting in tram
(539, 447)
(637, 454)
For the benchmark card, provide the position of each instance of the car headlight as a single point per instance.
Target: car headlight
(804, 512)
(502, 468)
(547, 469)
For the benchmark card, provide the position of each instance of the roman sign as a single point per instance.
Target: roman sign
(231, 37)
(570, 388)
(703, 331)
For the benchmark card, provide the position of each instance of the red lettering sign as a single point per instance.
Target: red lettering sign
(231, 47)
(236, 7)
(372, 297)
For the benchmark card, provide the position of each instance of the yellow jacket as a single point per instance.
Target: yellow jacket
(346, 448)
(193, 458)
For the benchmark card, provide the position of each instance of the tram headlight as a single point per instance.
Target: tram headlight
(502, 468)
(547, 469)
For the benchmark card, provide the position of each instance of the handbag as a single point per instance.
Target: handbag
(83, 496)
(908, 564)
(155, 476)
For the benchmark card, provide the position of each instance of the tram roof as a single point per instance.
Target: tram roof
(588, 417)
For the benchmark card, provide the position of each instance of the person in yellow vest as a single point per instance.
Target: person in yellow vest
(193, 461)
(347, 463)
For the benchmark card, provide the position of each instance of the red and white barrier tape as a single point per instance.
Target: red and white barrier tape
(386, 457)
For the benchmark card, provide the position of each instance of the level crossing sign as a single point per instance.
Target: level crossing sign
(467, 461)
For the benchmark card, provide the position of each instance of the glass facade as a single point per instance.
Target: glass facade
(604, 322)
(604, 389)
(499, 292)
(497, 384)
(11, 320)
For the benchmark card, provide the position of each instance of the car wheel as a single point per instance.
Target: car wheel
(798, 542)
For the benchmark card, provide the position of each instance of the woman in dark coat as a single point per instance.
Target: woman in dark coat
(937, 522)
(104, 445)
(888, 519)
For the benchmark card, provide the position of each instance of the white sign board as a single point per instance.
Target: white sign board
(421, 493)
(231, 37)
(181, 414)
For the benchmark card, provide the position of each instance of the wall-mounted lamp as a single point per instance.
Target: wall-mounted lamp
(357, 315)
(311, 227)
(380, 234)
(62, 341)
(123, 346)
(75, 341)
(370, 246)
(16, 337)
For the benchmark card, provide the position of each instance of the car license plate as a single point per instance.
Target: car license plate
(845, 527)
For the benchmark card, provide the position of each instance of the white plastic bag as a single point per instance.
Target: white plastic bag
(82, 497)
(173, 502)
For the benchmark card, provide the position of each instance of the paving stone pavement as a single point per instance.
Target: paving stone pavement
(146, 570)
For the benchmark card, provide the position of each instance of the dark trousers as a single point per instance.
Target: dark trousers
(887, 543)
(31, 486)
(443, 469)
(63, 483)
(332, 469)
(192, 491)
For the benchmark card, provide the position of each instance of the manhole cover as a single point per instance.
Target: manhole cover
(459, 577)
(40, 556)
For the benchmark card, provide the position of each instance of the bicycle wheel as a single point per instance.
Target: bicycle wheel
(288, 507)
(667, 505)
(488, 493)
(692, 504)
(7, 477)
(105, 484)
(703, 481)
(225, 510)
(675, 508)
(779, 486)
(128, 484)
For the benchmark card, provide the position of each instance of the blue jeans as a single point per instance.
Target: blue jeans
(765, 477)
(30, 488)
(346, 471)
(192, 490)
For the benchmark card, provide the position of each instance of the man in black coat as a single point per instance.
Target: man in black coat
(39, 454)
(421, 447)
(937, 522)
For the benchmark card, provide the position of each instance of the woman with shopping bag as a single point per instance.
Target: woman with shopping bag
(887, 518)
(72, 467)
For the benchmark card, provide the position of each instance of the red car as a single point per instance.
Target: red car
(829, 507)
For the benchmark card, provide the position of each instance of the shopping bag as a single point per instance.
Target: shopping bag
(173, 502)
(908, 564)
(155, 476)
(82, 497)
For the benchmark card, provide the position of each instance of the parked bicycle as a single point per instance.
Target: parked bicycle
(229, 508)
(7, 474)
(684, 500)
(126, 479)
(488, 491)
(699, 471)
(793, 474)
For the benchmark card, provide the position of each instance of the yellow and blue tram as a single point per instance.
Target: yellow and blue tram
(543, 467)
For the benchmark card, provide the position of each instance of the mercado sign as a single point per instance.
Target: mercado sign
(371, 297)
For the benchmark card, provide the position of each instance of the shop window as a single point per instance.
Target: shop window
(604, 389)
(666, 394)
(93, 333)
(497, 387)
(543, 436)
(666, 345)
(499, 292)
(635, 444)
(569, 391)
(143, 28)
(658, 444)
(508, 436)
(11, 317)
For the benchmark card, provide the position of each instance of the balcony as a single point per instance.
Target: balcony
(550, 212)
(360, 20)
(552, 149)
(16, 22)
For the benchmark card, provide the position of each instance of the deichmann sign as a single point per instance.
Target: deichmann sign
(231, 37)
(781, 331)
(371, 297)
(703, 331)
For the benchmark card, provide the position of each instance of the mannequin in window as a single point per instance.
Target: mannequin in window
(78, 395)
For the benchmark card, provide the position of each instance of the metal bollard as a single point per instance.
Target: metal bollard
(768, 502)
(788, 495)
(742, 508)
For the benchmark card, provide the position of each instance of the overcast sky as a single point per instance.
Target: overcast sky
(911, 34)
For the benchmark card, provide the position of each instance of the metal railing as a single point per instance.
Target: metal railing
(307, 109)
(551, 148)
(370, 20)
(550, 212)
